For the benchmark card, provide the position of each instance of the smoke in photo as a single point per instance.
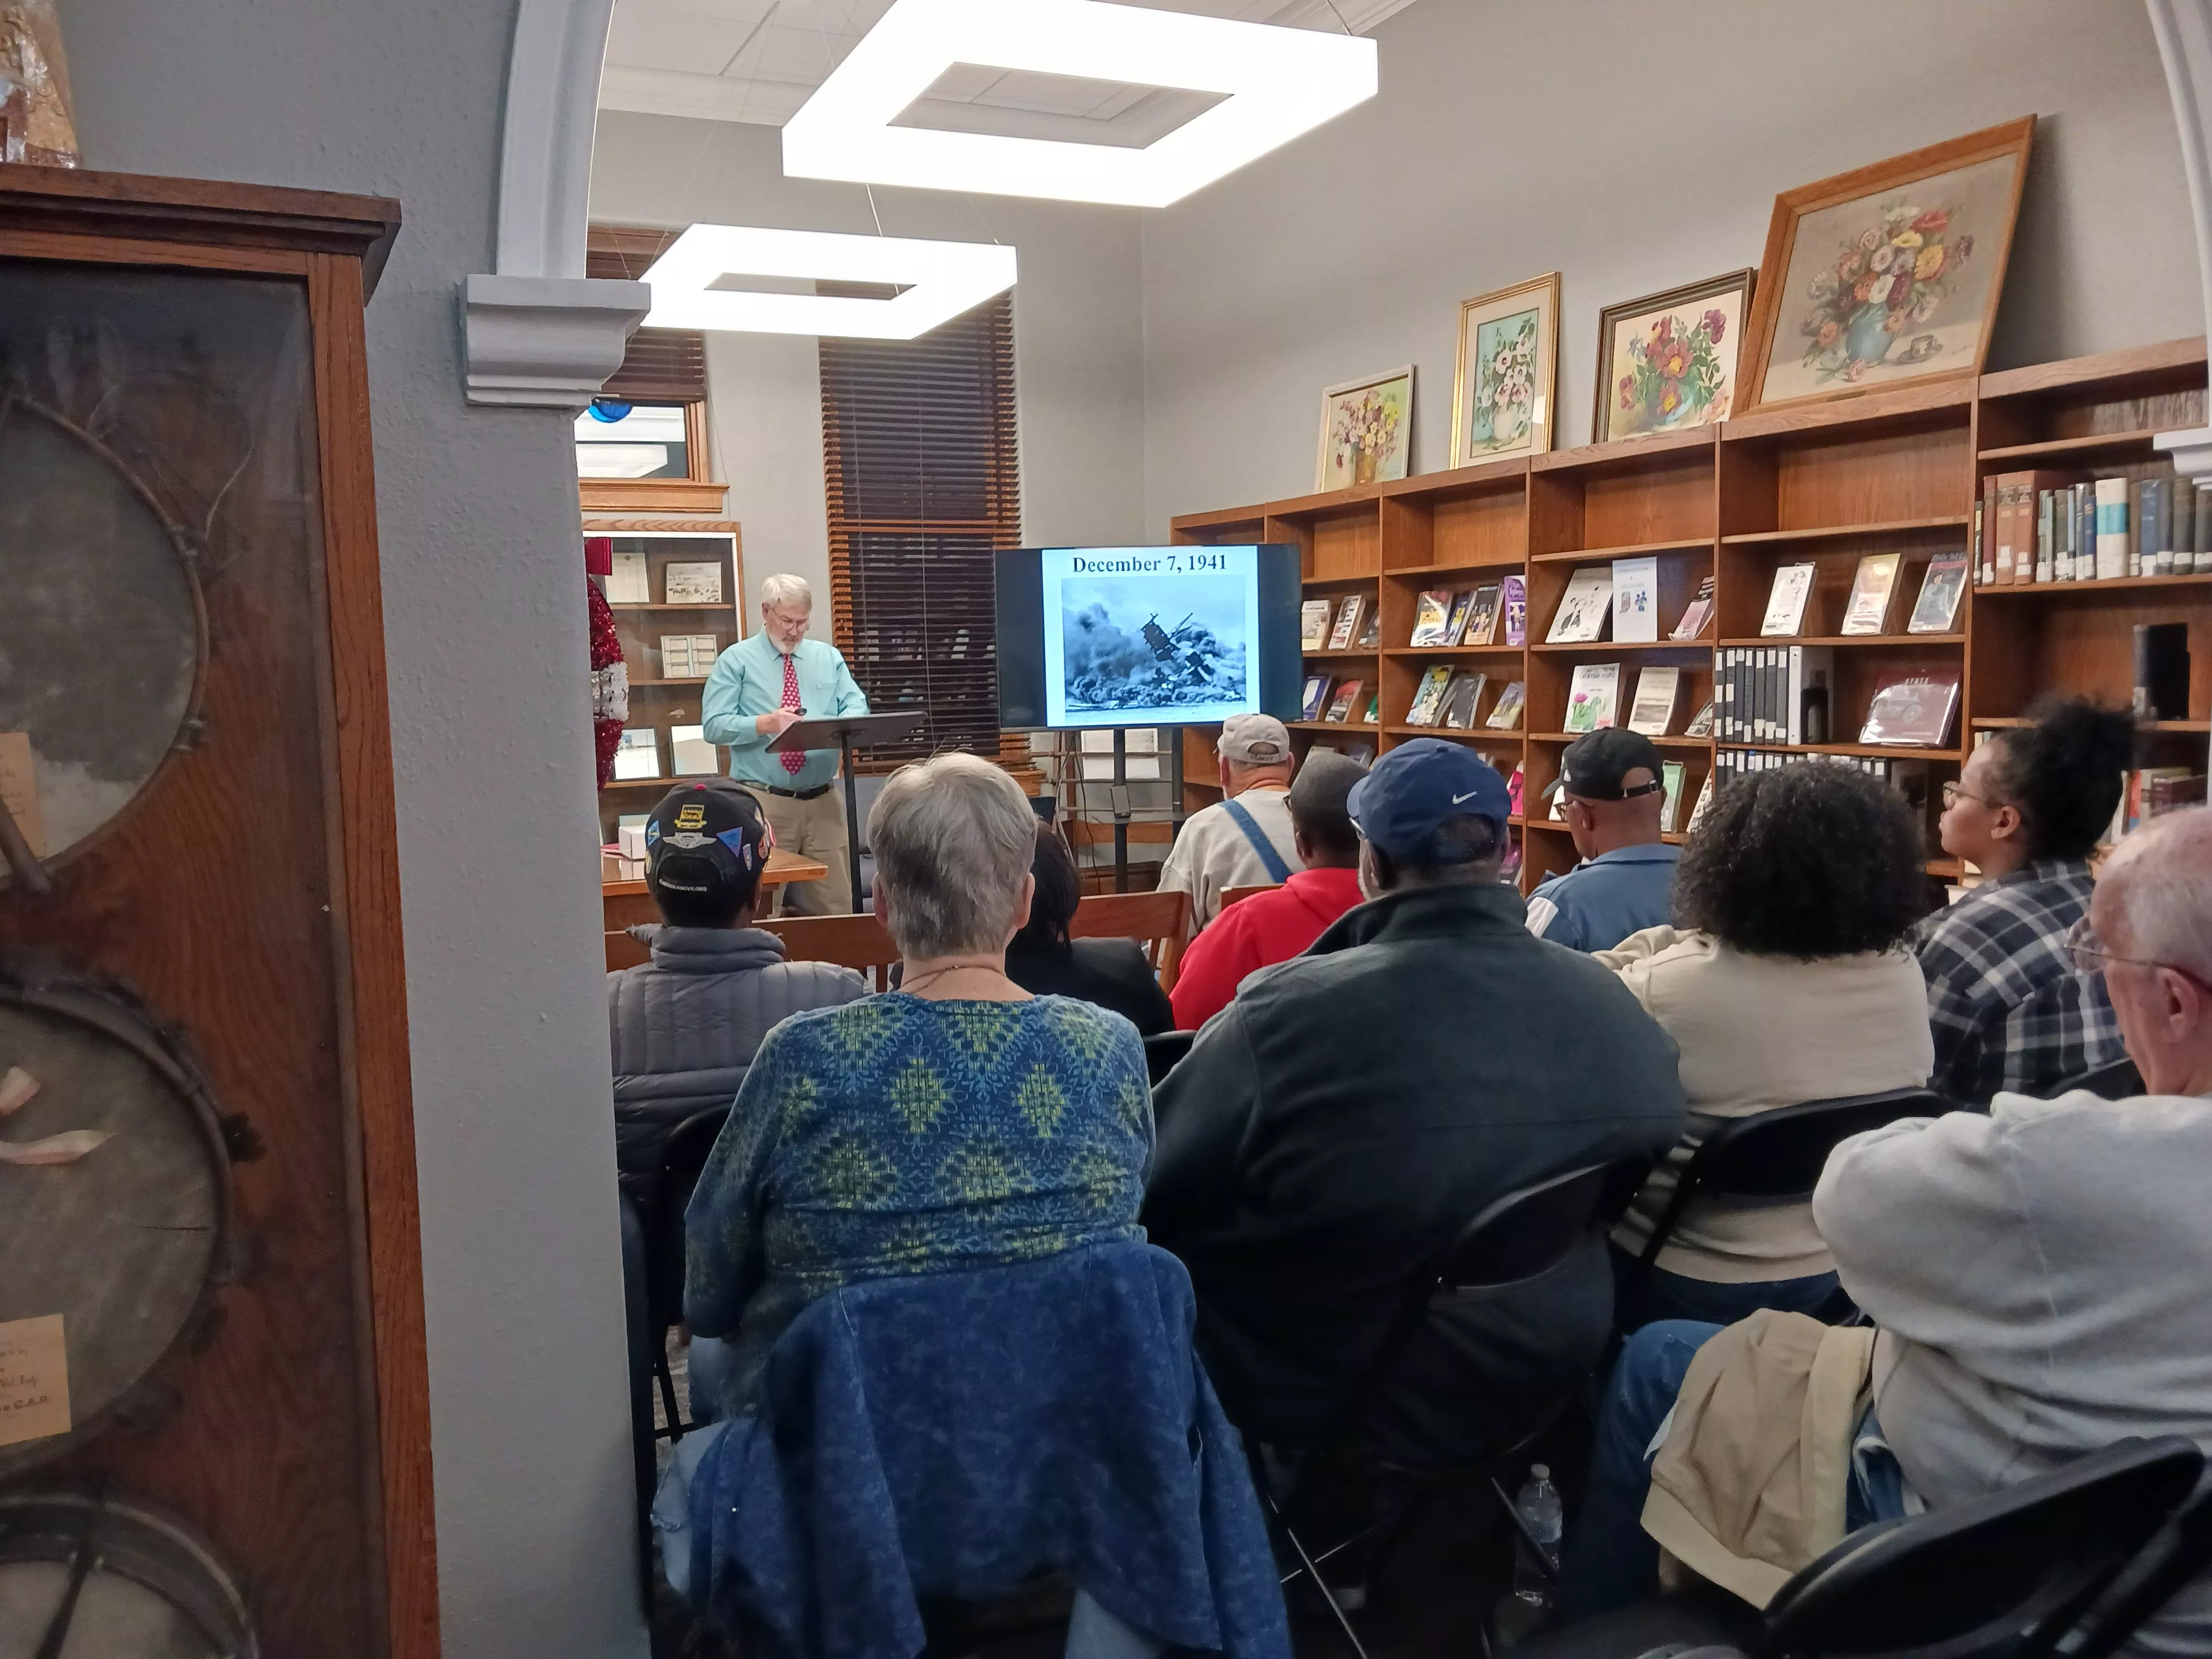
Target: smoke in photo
(1122, 649)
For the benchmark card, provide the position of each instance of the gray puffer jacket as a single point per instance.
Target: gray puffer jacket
(687, 1025)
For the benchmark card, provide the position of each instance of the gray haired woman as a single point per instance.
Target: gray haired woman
(958, 1122)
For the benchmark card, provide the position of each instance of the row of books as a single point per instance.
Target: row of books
(1356, 624)
(2048, 527)
(1782, 694)
(1449, 697)
(689, 754)
(1874, 587)
(1594, 702)
(1626, 595)
(2152, 790)
(1327, 700)
(681, 581)
(1471, 616)
(1908, 777)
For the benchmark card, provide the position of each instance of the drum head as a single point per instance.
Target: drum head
(100, 636)
(124, 1242)
(151, 1590)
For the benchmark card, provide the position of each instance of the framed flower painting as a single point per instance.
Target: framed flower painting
(1366, 431)
(1887, 276)
(1667, 361)
(1509, 357)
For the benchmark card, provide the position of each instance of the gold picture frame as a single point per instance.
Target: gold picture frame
(1366, 431)
(1669, 361)
(1510, 339)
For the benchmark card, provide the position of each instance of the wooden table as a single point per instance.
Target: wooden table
(626, 904)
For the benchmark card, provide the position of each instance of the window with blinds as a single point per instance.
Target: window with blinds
(924, 488)
(662, 365)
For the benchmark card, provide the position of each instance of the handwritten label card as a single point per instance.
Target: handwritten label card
(19, 789)
(34, 1380)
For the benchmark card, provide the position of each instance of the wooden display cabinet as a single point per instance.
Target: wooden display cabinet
(200, 683)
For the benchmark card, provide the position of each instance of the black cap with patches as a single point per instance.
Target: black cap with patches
(1594, 764)
(707, 839)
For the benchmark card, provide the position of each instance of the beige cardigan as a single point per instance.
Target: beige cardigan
(1757, 1032)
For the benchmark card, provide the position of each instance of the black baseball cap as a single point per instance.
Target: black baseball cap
(707, 840)
(1594, 764)
(1416, 789)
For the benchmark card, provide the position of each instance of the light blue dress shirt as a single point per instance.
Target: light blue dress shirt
(747, 680)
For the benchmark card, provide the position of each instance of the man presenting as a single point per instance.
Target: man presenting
(763, 685)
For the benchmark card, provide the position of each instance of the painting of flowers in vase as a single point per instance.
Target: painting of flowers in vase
(1667, 361)
(1887, 281)
(1366, 431)
(1508, 349)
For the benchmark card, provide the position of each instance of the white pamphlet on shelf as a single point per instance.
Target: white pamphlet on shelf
(1635, 598)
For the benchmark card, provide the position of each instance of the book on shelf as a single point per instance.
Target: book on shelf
(689, 754)
(1936, 609)
(1513, 597)
(1463, 608)
(1460, 698)
(1653, 710)
(1313, 624)
(1340, 704)
(1976, 550)
(1584, 609)
(638, 754)
(1671, 774)
(686, 583)
(2154, 790)
(1874, 585)
(1913, 710)
(1704, 801)
(1593, 697)
(1481, 628)
(2152, 516)
(1697, 613)
(2112, 537)
(629, 582)
(1370, 628)
(1315, 697)
(1636, 600)
(1701, 723)
(1432, 613)
(1513, 791)
(1506, 714)
(2161, 666)
(1349, 614)
(1374, 714)
(1785, 600)
(1429, 696)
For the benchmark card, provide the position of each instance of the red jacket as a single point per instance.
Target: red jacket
(1257, 932)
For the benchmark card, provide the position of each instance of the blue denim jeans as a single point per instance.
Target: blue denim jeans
(1643, 1298)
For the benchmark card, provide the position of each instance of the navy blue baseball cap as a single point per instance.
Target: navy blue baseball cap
(1417, 788)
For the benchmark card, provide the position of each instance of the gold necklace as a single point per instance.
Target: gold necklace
(954, 968)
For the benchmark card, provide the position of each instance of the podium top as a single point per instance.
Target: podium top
(828, 732)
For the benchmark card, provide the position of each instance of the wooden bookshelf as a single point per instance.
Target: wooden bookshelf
(1882, 472)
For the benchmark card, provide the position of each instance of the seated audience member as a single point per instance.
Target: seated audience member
(2035, 1274)
(1245, 838)
(956, 1123)
(685, 1024)
(1354, 1108)
(1271, 927)
(1786, 979)
(1612, 790)
(1110, 972)
(2009, 1010)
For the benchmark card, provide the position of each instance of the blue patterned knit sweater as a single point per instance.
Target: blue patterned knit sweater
(894, 1135)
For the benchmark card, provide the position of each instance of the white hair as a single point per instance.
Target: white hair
(2161, 878)
(786, 592)
(953, 836)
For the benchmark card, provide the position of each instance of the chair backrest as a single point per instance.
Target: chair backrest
(683, 1156)
(1160, 921)
(1526, 1234)
(1231, 895)
(2118, 1081)
(1162, 1050)
(1779, 1154)
(859, 942)
(2181, 1550)
(2009, 1573)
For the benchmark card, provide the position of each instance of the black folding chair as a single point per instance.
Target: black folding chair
(2181, 1550)
(2118, 1079)
(1776, 1157)
(1162, 1050)
(2005, 1576)
(683, 1156)
(1512, 1241)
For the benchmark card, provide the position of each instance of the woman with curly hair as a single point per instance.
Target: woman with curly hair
(1784, 979)
(2009, 1009)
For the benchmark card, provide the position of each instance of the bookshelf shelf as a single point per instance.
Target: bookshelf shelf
(1836, 533)
(1900, 471)
(1346, 655)
(719, 606)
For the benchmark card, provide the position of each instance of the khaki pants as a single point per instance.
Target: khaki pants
(816, 829)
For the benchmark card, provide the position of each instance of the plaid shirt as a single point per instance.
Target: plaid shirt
(2006, 1005)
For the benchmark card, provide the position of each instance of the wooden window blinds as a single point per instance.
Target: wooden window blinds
(662, 365)
(923, 472)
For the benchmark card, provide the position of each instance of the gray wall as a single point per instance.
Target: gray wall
(1077, 333)
(484, 592)
(1631, 147)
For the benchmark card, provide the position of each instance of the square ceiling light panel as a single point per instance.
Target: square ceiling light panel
(1276, 85)
(713, 277)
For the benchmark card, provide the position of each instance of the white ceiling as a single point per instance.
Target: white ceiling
(759, 60)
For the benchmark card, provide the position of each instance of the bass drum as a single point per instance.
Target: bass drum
(115, 1195)
(83, 1579)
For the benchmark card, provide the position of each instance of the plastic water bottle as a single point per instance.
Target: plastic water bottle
(1538, 1507)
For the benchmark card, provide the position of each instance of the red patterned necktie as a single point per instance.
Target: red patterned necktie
(794, 760)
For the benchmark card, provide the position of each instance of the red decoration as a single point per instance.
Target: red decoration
(610, 674)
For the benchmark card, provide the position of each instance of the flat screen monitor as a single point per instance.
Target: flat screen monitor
(1103, 636)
